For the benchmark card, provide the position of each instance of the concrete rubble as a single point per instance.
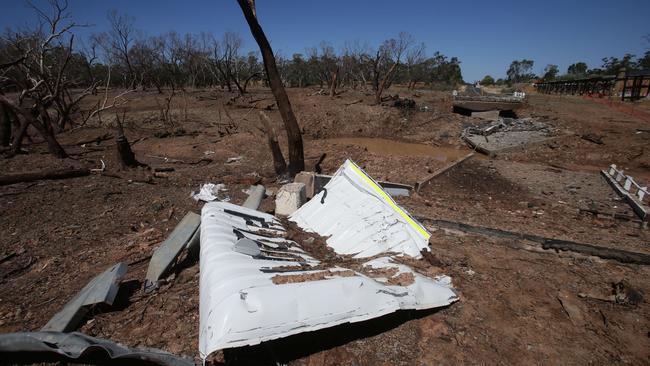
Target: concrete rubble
(289, 198)
(506, 134)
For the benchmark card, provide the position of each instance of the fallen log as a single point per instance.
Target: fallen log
(619, 255)
(418, 185)
(42, 175)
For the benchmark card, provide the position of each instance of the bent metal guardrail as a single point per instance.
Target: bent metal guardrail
(636, 195)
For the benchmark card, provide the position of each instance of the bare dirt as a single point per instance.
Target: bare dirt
(516, 306)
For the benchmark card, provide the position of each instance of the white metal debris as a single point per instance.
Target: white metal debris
(249, 296)
(211, 192)
(360, 218)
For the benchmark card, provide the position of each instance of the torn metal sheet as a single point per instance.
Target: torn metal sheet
(100, 290)
(250, 295)
(211, 192)
(360, 218)
(36, 347)
(166, 254)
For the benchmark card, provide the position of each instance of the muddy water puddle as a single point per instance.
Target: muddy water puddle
(390, 147)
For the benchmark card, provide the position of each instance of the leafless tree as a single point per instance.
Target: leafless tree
(387, 60)
(296, 154)
(39, 72)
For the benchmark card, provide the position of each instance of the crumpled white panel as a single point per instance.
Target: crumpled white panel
(360, 218)
(241, 305)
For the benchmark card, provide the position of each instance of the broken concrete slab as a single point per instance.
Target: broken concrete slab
(162, 259)
(36, 347)
(100, 290)
(506, 134)
(255, 196)
(289, 198)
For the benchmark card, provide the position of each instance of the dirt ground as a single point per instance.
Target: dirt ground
(517, 306)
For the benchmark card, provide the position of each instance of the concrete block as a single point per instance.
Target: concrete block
(289, 198)
(307, 178)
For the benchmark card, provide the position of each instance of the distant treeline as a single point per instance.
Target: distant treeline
(123, 57)
(521, 70)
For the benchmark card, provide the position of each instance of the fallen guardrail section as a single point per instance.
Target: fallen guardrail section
(625, 186)
(258, 282)
(79, 348)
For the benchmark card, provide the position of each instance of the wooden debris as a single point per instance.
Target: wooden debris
(418, 185)
(43, 175)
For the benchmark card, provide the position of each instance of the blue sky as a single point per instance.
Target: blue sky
(485, 35)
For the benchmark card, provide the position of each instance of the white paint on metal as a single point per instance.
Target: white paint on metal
(360, 218)
(241, 305)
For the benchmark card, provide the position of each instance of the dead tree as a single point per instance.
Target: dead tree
(125, 155)
(296, 154)
(41, 74)
(389, 56)
(279, 163)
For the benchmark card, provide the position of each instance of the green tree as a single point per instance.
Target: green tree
(550, 72)
(520, 71)
(612, 65)
(577, 69)
(487, 80)
(644, 63)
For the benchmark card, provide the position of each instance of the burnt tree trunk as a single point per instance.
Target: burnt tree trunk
(382, 85)
(125, 155)
(279, 164)
(296, 154)
(5, 125)
(44, 127)
(335, 74)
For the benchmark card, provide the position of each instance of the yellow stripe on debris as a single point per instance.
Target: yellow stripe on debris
(390, 201)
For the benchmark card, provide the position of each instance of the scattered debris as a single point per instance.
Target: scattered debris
(43, 175)
(624, 294)
(419, 184)
(625, 186)
(314, 184)
(258, 284)
(289, 198)
(234, 160)
(404, 103)
(185, 235)
(210, 192)
(35, 347)
(100, 290)
(571, 306)
(256, 194)
(596, 139)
